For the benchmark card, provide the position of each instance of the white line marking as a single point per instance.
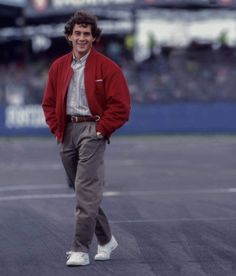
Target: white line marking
(49, 196)
(112, 193)
(105, 194)
(31, 187)
(168, 192)
(173, 220)
(117, 193)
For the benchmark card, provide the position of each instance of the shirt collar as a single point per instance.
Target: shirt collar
(81, 60)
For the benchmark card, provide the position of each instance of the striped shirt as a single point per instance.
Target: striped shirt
(76, 97)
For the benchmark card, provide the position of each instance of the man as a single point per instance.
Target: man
(86, 100)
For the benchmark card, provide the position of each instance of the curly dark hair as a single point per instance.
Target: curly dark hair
(84, 18)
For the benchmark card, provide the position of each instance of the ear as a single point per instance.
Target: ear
(69, 37)
(94, 38)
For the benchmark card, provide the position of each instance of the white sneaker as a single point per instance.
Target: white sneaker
(77, 258)
(104, 252)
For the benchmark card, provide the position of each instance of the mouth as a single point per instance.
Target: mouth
(81, 44)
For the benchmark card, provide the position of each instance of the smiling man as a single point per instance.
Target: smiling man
(86, 99)
(81, 39)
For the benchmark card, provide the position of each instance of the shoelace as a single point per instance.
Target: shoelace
(69, 253)
(102, 250)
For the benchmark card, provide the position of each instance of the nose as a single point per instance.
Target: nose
(81, 37)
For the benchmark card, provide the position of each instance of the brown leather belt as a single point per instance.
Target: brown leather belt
(80, 118)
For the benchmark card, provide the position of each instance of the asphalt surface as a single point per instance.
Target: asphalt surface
(171, 201)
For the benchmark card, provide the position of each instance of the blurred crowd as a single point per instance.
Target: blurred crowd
(193, 74)
(196, 73)
(22, 84)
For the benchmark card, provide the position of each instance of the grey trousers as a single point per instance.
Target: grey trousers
(82, 155)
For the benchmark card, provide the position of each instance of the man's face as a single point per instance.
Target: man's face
(82, 40)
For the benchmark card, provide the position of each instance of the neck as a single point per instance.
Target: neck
(79, 56)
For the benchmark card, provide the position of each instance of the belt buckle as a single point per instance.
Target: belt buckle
(97, 118)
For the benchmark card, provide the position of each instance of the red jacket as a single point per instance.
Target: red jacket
(109, 97)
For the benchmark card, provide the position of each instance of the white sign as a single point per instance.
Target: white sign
(62, 3)
(27, 116)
